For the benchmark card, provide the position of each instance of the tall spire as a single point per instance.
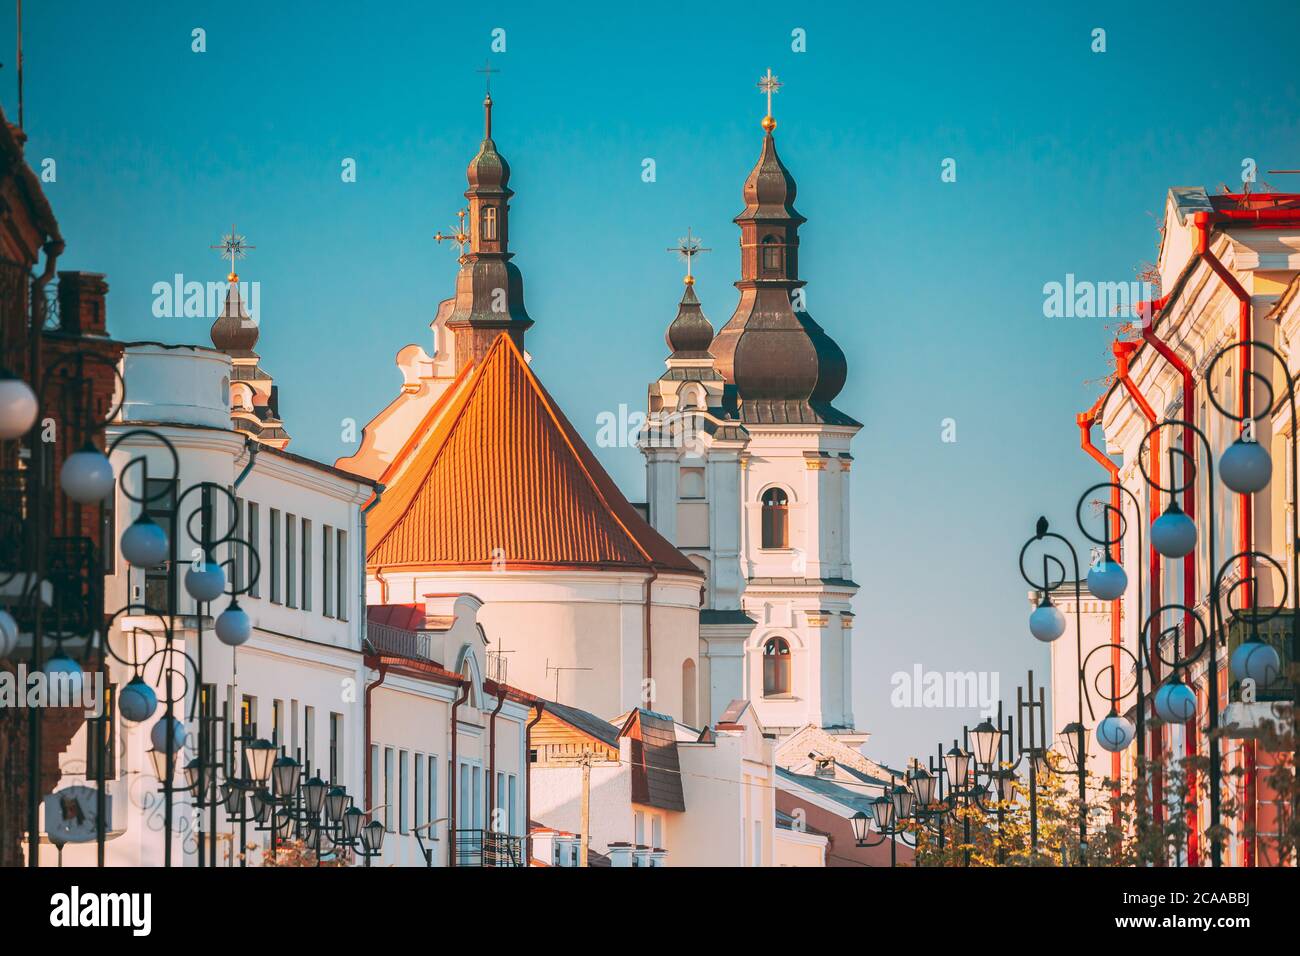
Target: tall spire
(489, 287)
(781, 365)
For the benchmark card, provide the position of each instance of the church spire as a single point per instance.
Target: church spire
(234, 331)
(690, 333)
(780, 364)
(489, 287)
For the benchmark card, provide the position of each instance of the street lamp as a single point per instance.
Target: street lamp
(985, 738)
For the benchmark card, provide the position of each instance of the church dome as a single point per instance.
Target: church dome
(234, 331)
(690, 332)
(770, 189)
(488, 171)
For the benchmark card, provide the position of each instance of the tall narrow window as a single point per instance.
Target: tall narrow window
(306, 564)
(418, 790)
(160, 581)
(433, 789)
(309, 737)
(290, 560)
(771, 256)
(341, 576)
(776, 667)
(255, 543)
(105, 724)
(372, 798)
(389, 815)
(326, 569)
(336, 749)
(275, 556)
(776, 519)
(403, 763)
(238, 528)
(277, 722)
(490, 223)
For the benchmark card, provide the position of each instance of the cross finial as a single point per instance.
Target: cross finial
(233, 246)
(688, 247)
(769, 84)
(458, 235)
(488, 71)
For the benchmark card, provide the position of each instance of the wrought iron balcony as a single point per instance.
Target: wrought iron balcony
(487, 848)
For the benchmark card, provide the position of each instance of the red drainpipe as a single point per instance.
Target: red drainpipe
(1245, 529)
(1123, 352)
(455, 773)
(1086, 420)
(492, 755)
(370, 688)
(1147, 312)
(649, 642)
(528, 781)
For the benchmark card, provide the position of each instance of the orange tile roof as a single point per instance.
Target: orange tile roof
(503, 472)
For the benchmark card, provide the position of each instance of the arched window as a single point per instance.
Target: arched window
(771, 256)
(776, 519)
(776, 667)
(489, 229)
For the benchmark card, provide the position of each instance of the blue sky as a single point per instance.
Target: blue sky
(934, 290)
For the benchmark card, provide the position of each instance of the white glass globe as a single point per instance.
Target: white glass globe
(233, 625)
(144, 544)
(18, 408)
(1114, 733)
(86, 476)
(1107, 580)
(137, 701)
(207, 582)
(65, 680)
(1047, 623)
(159, 735)
(1257, 661)
(1173, 534)
(1246, 467)
(1175, 703)
(8, 633)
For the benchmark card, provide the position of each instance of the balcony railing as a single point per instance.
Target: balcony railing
(486, 848)
(398, 641)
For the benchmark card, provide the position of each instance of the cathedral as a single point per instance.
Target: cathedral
(733, 583)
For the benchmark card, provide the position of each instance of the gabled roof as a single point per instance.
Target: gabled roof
(502, 476)
(586, 722)
(846, 797)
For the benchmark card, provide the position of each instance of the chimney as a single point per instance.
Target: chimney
(81, 303)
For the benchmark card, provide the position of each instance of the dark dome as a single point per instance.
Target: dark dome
(690, 332)
(234, 331)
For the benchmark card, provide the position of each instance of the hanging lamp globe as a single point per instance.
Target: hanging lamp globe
(1173, 534)
(137, 701)
(144, 544)
(8, 634)
(1257, 661)
(168, 734)
(1175, 702)
(1107, 580)
(233, 625)
(205, 581)
(1046, 623)
(1246, 467)
(87, 476)
(1114, 733)
(18, 407)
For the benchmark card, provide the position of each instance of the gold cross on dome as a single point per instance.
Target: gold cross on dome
(769, 84)
(233, 246)
(688, 248)
(458, 235)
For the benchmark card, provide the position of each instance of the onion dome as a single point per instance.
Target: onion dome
(488, 171)
(234, 332)
(690, 333)
(781, 364)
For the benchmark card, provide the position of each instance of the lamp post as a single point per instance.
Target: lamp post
(1047, 624)
(891, 811)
